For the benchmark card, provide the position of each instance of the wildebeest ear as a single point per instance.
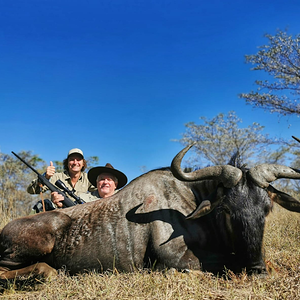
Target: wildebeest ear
(203, 209)
(285, 200)
(206, 206)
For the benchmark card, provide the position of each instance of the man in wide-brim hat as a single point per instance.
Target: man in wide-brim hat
(107, 179)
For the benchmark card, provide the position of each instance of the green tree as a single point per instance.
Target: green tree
(92, 161)
(280, 59)
(14, 179)
(59, 167)
(221, 137)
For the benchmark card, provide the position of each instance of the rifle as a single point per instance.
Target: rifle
(42, 179)
(62, 186)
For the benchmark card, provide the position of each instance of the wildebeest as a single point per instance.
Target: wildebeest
(205, 219)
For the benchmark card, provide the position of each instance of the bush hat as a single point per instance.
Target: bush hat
(93, 173)
(75, 150)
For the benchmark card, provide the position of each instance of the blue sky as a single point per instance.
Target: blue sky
(119, 79)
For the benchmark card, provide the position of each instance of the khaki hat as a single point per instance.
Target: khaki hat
(75, 150)
(93, 173)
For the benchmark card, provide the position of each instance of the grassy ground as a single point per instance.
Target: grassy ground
(282, 251)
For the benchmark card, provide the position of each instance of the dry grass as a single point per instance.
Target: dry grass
(282, 247)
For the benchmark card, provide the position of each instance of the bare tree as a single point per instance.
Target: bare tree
(280, 59)
(221, 137)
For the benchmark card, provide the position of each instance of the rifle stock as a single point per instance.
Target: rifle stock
(67, 202)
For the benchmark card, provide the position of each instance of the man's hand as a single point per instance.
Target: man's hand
(56, 198)
(50, 171)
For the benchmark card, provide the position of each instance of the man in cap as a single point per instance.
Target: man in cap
(73, 177)
(107, 179)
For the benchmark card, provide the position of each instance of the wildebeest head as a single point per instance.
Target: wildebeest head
(237, 207)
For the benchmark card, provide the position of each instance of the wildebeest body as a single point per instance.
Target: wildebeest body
(116, 232)
(155, 221)
(97, 235)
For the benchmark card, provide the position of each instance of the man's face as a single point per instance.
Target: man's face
(75, 162)
(106, 184)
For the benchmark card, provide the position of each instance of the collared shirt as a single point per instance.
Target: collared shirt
(89, 197)
(82, 185)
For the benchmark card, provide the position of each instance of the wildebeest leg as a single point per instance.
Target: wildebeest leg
(37, 269)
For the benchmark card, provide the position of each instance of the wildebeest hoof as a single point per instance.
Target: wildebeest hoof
(39, 269)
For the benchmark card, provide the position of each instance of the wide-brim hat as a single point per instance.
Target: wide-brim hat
(93, 173)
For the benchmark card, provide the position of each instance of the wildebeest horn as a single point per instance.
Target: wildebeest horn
(295, 138)
(226, 174)
(263, 174)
